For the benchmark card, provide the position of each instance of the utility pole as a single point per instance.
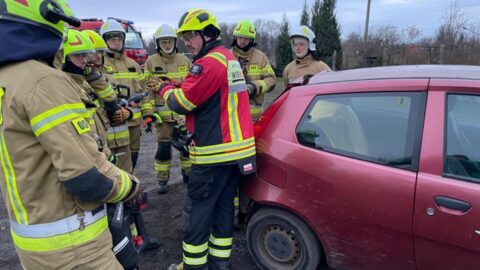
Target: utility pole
(367, 21)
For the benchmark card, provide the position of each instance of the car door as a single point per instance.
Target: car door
(447, 201)
(358, 167)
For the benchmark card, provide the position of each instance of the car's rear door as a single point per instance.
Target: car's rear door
(447, 201)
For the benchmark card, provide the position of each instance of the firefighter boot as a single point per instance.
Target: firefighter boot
(218, 265)
(162, 187)
(176, 266)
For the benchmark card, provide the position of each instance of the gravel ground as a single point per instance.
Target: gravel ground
(163, 216)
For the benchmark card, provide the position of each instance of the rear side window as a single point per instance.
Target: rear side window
(462, 140)
(384, 128)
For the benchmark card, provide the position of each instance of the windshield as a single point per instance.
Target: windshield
(133, 41)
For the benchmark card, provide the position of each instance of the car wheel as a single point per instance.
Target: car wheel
(278, 240)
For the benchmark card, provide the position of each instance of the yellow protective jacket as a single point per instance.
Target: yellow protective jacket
(126, 71)
(301, 67)
(257, 70)
(54, 180)
(175, 67)
(98, 120)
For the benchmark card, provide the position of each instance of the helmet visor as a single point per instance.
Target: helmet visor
(299, 46)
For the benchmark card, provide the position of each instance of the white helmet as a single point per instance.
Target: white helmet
(305, 32)
(165, 31)
(111, 26)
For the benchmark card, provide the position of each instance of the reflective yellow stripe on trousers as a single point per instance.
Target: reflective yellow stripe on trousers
(60, 234)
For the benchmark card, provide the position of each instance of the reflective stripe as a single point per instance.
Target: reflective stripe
(128, 75)
(118, 132)
(120, 245)
(147, 106)
(224, 254)
(263, 86)
(63, 241)
(2, 92)
(56, 116)
(195, 249)
(105, 93)
(185, 164)
(167, 93)
(221, 242)
(11, 181)
(173, 75)
(236, 201)
(255, 111)
(184, 102)
(55, 228)
(221, 148)
(219, 57)
(162, 167)
(137, 113)
(222, 157)
(124, 189)
(233, 121)
(194, 261)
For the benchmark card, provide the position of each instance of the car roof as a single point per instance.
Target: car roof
(399, 72)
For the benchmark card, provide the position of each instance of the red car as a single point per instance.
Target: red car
(374, 168)
(134, 47)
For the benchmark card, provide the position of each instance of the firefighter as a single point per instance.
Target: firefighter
(214, 99)
(255, 65)
(118, 137)
(126, 72)
(306, 62)
(77, 51)
(166, 63)
(54, 180)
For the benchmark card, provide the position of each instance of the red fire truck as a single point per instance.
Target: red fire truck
(134, 45)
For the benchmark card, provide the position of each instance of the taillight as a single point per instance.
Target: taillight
(268, 114)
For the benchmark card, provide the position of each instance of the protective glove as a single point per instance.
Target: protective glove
(251, 89)
(91, 73)
(121, 115)
(138, 199)
(306, 78)
(149, 119)
(153, 83)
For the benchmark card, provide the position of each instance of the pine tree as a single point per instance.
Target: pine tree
(283, 49)
(305, 19)
(327, 31)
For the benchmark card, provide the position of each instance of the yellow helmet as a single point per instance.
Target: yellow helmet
(245, 29)
(196, 20)
(98, 42)
(77, 43)
(48, 14)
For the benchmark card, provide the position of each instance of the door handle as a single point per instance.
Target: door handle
(452, 204)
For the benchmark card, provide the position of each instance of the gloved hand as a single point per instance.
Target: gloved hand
(251, 89)
(91, 73)
(162, 86)
(121, 115)
(149, 119)
(153, 83)
(306, 78)
(138, 199)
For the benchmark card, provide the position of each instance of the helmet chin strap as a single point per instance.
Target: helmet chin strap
(302, 55)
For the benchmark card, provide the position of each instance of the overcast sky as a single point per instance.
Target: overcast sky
(148, 15)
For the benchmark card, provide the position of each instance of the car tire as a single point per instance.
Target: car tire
(278, 240)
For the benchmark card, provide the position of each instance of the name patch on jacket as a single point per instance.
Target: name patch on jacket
(81, 126)
(131, 69)
(196, 70)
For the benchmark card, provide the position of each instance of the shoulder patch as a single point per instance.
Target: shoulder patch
(81, 125)
(196, 69)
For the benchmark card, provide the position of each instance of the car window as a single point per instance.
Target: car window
(133, 41)
(384, 128)
(462, 143)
